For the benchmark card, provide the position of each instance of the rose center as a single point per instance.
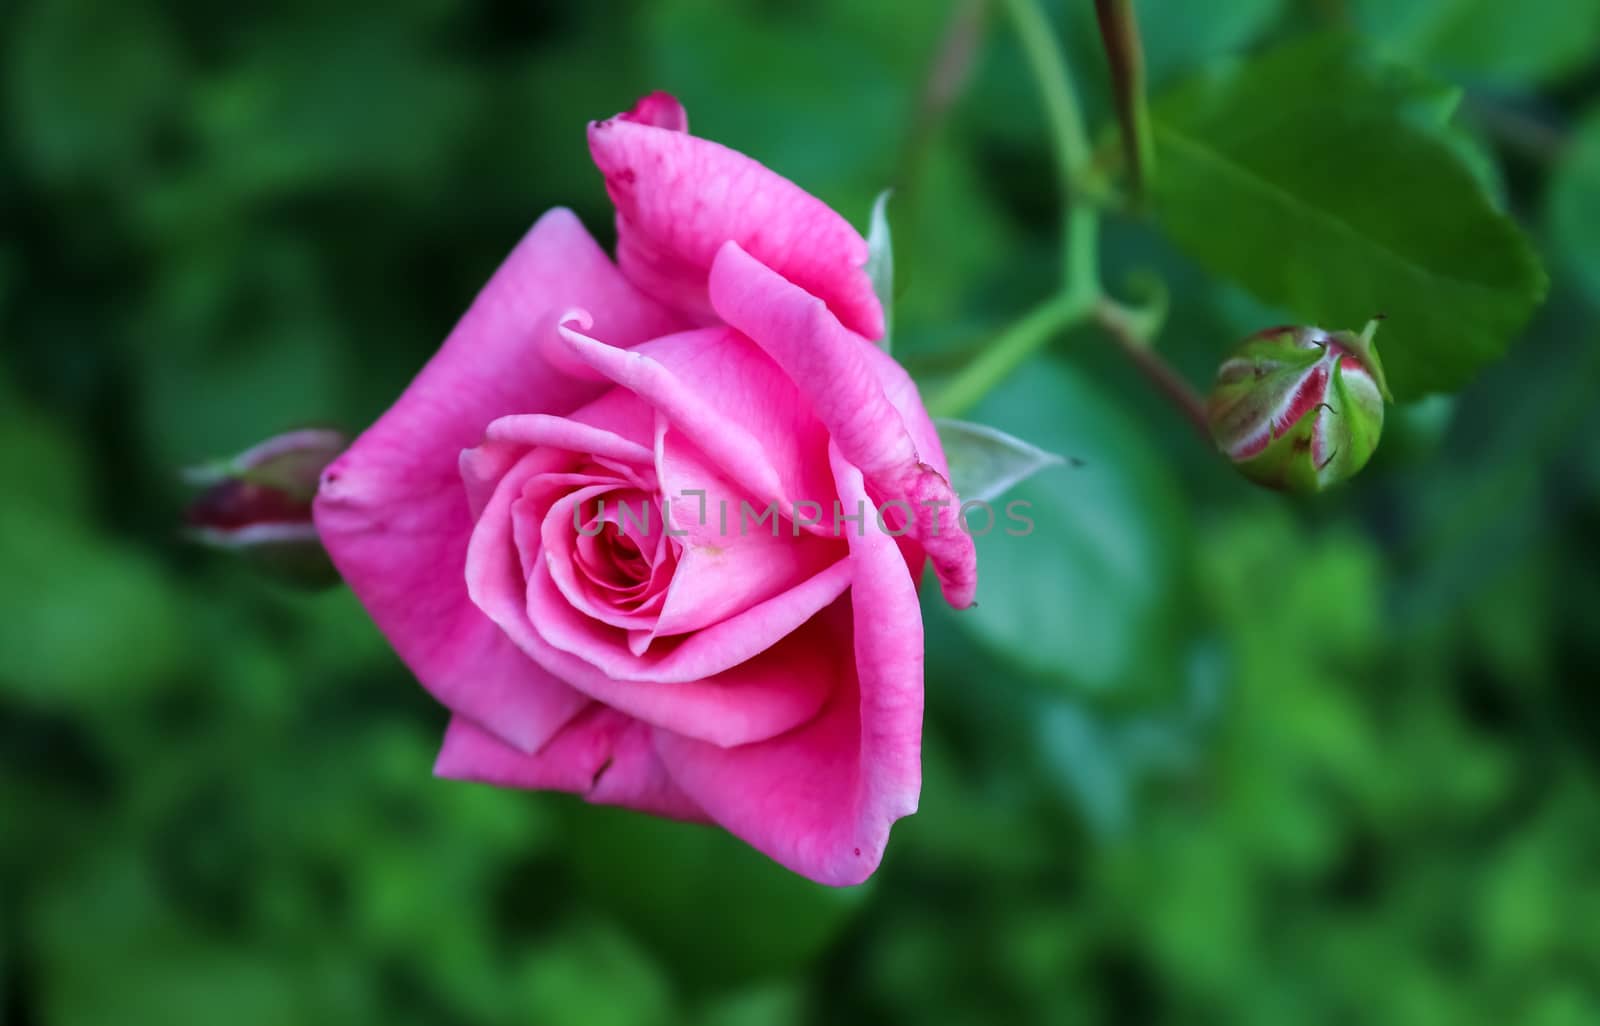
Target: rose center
(623, 553)
(624, 561)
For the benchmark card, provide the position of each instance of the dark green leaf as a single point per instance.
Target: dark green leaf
(87, 84)
(85, 617)
(1085, 595)
(694, 895)
(1311, 73)
(1573, 205)
(1310, 184)
(1178, 34)
(1492, 41)
(110, 948)
(594, 974)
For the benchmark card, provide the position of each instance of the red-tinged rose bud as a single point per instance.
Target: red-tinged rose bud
(258, 504)
(1300, 408)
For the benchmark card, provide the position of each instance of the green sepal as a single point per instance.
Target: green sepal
(1366, 348)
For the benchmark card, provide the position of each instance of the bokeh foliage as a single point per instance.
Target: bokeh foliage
(1200, 755)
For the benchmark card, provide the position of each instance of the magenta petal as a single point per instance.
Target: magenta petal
(734, 553)
(566, 433)
(659, 109)
(693, 657)
(735, 450)
(843, 377)
(821, 798)
(551, 443)
(679, 198)
(723, 687)
(557, 541)
(392, 511)
(760, 698)
(600, 754)
(717, 389)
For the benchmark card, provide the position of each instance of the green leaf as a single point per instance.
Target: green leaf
(1491, 41)
(74, 576)
(8, 277)
(779, 1003)
(1573, 205)
(1099, 760)
(88, 85)
(110, 947)
(986, 462)
(1315, 71)
(692, 899)
(594, 974)
(1322, 184)
(880, 263)
(1178, 34)
(1083, 598)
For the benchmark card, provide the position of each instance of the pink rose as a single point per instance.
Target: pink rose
(504, 522)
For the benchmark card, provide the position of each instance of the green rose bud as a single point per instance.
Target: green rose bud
(258, 504)
(1300, 408)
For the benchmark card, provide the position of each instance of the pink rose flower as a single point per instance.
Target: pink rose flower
(505, 521)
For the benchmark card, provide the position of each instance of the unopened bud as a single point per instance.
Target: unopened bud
(1300, 408)
(258, 504)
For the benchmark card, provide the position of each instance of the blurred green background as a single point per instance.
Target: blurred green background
(1202, 755)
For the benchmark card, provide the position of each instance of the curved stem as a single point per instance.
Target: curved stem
(1081, 297)
(1080, 230)
(1055, 85)
(1121, 324)
(1008, 351)
(1067, 133)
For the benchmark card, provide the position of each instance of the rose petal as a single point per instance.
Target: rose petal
(729, 560)
(555, 541)
(562, 443)
(734, 449)
(600, 754)
(821, 798)
(838, 372)
(704, 653)
(394, 516)
(715, 690)
(659, 109)
(567, 433)
(679, 198)
(721, 392)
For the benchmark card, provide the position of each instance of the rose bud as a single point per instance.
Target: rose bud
(622, 523)
(258, 504)
(1300, 408)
